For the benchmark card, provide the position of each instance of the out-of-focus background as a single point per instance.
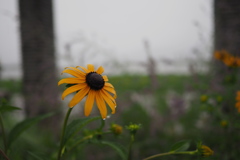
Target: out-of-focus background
(107, 33)
(159, 55)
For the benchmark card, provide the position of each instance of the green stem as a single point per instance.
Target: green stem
(80, 141)
(130, 147)
(63, 133)
(102, 124)
(171, 153)
(4, 155)
(83, 139)
(3, 134)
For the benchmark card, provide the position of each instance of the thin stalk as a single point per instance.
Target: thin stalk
(130, 147)
(80, 141)
(102, 124)
(3, 134)
(4, 155)
(63, 133)
(170, 153)
(83, 139)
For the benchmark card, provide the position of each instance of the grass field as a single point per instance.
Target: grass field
(168, 113)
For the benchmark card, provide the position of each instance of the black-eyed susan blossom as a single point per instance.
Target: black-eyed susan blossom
(116, 129)
(91, 83)
(203, 98)
(224, 123)
(205, 151)
(227, 58)
(237, 105)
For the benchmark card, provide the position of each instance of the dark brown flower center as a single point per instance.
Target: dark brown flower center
(95, 81)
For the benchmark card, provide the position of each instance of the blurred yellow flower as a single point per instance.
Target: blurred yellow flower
(237, 105)
(203, 98)
(221, 55)
(116, 129)
(133, 128)
(219, 99)
(90, 83)
(206, 151)
(224, 123)
(228, 59)
(238, 96)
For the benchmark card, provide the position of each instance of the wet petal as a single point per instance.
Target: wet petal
(90, 68)
(79, 96)
(109, 96)
(83, 68)
(89, 102)
(100, 70)
(108, 85)
(111, 90)
(101, 105)
(105, 78)
(109, 101)
(73, 73)
(72, 80)
(72, 89)
(77, 70)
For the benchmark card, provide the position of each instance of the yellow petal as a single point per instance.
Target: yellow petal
(109, 101)
(73, 73)
(72, 89)
(79, 96)
(108, 85)
(89, 102)
(90, 68)
(111, 90)
(79, 71)
(109, 96)
(72, 80)
(100, 70)
(105, 78)
(84, 69)
(101, 105)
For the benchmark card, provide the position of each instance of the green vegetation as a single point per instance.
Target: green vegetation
(170, 113)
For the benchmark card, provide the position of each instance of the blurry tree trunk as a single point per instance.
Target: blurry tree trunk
(38, 58)
(227, 37)
(227, 25)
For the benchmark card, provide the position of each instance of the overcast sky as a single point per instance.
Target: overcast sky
(107, 29)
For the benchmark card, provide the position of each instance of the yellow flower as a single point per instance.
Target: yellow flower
(219, 99)
(217, 55)
(89, 82)
(230, 61)
(221, 55)
(205, 151)
(203, 98)
(238, 96)
(133, 128)
(224, 123)
(227, 58)
(237, 105)
(116, 129)
(237, 61)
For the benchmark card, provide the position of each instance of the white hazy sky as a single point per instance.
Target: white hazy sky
(107, 29)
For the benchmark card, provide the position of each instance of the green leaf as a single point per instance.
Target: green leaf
(3, 102)
(180, 146)
(8, 108)
(117, 147)
(36, 156)
(75, 126)
(5, 107)
(19, 128)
